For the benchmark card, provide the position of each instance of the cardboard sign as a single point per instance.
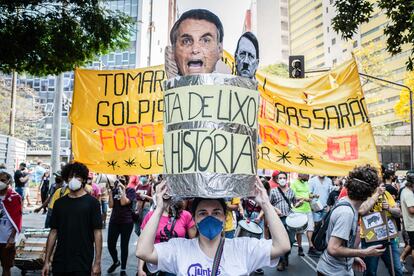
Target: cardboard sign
(210, 134)
(374, 228)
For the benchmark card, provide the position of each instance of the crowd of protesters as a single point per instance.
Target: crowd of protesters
(76, 206)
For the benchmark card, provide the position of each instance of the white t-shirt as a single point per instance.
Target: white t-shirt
(6, 226)
(241, 256)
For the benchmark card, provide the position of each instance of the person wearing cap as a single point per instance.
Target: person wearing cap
(273, 181)
(407, 208)
(10, 221)
(51, 198)
(210, 253)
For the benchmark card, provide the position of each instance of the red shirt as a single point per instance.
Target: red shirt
(343, 193)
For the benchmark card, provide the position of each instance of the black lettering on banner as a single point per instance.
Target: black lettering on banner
(264, 151)
(240, 107)
(98, 109)
(279, 111)
(159, 78)
(191, 104)
(141, 109)
(344, 114)
(129, 76)
(114, 113)
(193, 150)
(128, 115)
(217, 151)
(334, 118)
(175, 152)
(249, 153)
(306, 118)
(205, 106)
(176, 105)
(167, 103)
(106, 82)
(358, 112)
(292, 115)
(361, 101)
(251, 112)
(209, 151)
(116, 84)
(145, 80)
(319, 118)
(150, 151)
(220, 101)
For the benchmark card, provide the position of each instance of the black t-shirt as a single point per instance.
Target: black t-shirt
(17, 175)
(75, 220)
(392, 190)
(333, 196)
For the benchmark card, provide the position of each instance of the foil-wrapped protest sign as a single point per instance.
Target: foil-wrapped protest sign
(210, 135)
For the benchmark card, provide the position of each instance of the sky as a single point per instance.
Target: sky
(230, 12)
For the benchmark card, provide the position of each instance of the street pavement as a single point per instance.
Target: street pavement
(297, 265)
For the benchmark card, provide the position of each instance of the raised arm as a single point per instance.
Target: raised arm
(145, 246)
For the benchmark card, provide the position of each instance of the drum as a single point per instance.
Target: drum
(248, 228)
(297, 222)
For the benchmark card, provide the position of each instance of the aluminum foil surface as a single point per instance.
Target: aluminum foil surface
(210, 184)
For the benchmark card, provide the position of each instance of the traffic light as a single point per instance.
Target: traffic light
(296, 66)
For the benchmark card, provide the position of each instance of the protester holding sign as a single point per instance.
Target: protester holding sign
(238, 256)
(381, 202)
(407, 208)
(338, 257)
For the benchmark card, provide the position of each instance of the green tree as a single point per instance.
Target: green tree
(278, 69)
(26, 101)
(43, 37)
(399, 31)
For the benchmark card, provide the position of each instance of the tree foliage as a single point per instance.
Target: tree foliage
(43, 37)
(402, 107)
(399, 31)
(278, 69)
(27, 113)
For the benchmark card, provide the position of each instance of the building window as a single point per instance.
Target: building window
(329, 50)
(334, 62)
(355, 44)
(327, 10)
(333, 41)
(327, 29)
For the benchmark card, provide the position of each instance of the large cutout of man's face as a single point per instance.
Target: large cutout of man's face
(197, 48)
(246, 58)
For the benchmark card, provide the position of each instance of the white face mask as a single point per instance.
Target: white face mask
(3, 185)
(75, 184)
(282, 182)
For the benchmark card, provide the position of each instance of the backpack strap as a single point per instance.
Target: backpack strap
(217, 257)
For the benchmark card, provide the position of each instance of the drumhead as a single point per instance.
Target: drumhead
(252, 227)
(296, 220)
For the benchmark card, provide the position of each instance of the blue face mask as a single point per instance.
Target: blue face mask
(143, 180)
(210, 227)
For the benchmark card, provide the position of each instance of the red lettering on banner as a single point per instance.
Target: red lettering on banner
(342, 148)
(128, 137)
(275, 135)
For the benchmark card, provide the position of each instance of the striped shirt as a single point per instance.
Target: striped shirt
(277, 200)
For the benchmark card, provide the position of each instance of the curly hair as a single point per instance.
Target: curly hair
(362, 182)
(75, 169)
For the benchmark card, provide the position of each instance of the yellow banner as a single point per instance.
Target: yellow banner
(316, 125)
(116, 120)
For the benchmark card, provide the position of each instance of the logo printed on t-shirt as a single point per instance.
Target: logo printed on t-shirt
(197, 270)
